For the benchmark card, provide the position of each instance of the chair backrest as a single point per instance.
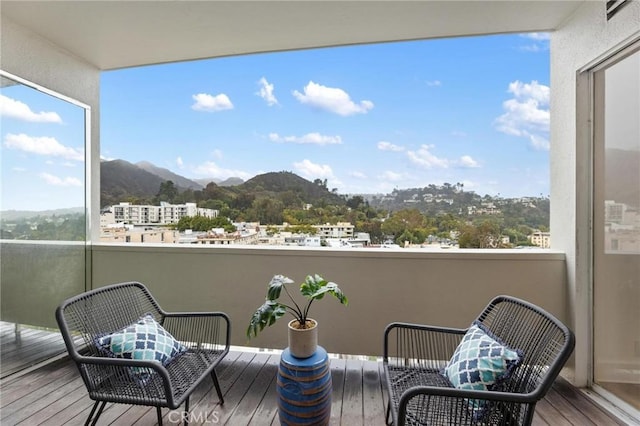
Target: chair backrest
(545, 341)
(101, 311)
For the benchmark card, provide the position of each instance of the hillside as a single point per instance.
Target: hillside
(166, 174)
(232, 181)
(120, 180)
(273, 183)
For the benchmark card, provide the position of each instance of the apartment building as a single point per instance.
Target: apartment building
(164, 214)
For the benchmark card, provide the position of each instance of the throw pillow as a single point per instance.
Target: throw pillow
(143, 340)
(481, 362)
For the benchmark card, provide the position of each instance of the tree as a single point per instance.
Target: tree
(168, 192)
(410, 220)
(355, 202)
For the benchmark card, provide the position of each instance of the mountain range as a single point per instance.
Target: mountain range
(122, 181)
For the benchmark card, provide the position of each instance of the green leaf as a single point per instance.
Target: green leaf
(315, 287)
(275, 286)
(264, 316)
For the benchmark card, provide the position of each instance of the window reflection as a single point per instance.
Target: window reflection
(43, 165)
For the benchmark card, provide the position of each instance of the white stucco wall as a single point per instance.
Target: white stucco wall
(582, 41)
(27, 55)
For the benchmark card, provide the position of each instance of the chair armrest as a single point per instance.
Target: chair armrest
(409, 343)
(198, 329)
(100, 372)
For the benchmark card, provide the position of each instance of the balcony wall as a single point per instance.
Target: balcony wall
(36, 276)
(446, 288)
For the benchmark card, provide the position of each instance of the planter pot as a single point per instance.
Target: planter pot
(303, 342)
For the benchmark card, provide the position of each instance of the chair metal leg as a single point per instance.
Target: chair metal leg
(159, 414)
(92, 420)
(217, 385)
(387, 418)
(186, 411)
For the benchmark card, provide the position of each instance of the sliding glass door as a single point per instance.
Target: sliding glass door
(616, 212)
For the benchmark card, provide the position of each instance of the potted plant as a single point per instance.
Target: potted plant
(303, 331)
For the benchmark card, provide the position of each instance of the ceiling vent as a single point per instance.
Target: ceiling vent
(613, 6)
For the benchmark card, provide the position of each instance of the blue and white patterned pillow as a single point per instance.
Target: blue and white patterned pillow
(481, 362)
(143, 340)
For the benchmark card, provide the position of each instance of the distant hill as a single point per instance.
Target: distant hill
(166, 174)
(120, 180)
(232, 181)
(279, 182)
(27, 214)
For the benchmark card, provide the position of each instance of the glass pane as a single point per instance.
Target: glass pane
(43, 186)
(617, 230)
(42, 217)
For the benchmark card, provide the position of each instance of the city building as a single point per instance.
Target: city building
(540, 239)
(164, 214)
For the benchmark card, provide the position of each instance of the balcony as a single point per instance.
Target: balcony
(443, 288)
(64, 46)
(54, 394)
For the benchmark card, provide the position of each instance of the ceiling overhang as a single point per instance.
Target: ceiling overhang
(121, 34)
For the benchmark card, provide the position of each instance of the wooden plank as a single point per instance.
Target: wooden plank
(567, 409)
(37, 400)
(242, 387)
(579, 403)
(63, 409)
(338, 374)
(14, 389)
(372, 402)
(247, 408)
(547, 414)
(55, 394)
(352, 396)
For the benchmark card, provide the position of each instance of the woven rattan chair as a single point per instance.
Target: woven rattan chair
(415, 356)
(92, 315)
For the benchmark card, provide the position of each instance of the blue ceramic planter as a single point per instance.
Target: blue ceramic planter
(304, 389)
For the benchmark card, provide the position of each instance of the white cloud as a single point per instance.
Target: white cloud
(212, 170)
(533, 48)
(434, 83)
(424, 158)
(56, 181)
(331, 99)
(17, 109)
(537, 36)
(388, 175)
(19, 169)
(310, 170)
(179, 162)
(539, 42)
(210, 103)
(388, 146)
(309, 138)
(467, 161)
(357, 175)
(527, 113)
(43, 145)
(459, 134)
(266, 92)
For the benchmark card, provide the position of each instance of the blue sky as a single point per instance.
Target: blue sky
(367, 119)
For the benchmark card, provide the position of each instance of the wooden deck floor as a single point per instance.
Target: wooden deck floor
(53, 394)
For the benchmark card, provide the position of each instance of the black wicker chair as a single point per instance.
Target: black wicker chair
(415, 356)
(97, 313)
